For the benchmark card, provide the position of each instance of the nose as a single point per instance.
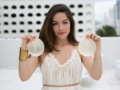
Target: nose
(60, 27)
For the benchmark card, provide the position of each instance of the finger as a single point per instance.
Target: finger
(32, 35)
(93, 36)
(88, 36)
(97, 37)
(23, 38)
(29, 37)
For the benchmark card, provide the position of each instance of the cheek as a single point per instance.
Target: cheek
(55, 29)
(67, 27)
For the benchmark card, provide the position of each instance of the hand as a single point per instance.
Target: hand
(94, 37)
(26, 39)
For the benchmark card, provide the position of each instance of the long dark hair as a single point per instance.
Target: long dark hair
(47, 35)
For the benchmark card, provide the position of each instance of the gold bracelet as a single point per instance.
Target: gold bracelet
(97, 58)
(23, 54)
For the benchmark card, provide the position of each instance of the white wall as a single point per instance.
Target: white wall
(9, 51)
(111, 50)
(85, 7)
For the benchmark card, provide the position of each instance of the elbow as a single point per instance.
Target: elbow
(23, 80)
(98, 78)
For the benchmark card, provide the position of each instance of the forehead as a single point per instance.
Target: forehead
(59, 16)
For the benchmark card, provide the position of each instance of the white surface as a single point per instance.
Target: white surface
(117, 68)
(9, 51)
(9, 80)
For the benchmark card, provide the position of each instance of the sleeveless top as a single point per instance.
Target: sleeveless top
(54, 73)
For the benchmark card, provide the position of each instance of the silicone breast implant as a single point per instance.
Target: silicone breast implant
(35, 47)
(87, 47)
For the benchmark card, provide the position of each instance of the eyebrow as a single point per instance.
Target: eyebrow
(63, 20)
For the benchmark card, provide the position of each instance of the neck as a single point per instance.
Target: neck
(62, 42)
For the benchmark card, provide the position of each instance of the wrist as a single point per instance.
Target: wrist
(95, 59)
(23, 54)
(98, 47)
(23, 48)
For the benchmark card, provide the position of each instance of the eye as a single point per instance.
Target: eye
(65, 22)
(54, 23)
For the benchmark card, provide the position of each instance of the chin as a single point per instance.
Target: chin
(62, 38)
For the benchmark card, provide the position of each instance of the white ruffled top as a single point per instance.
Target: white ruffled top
(54, 73)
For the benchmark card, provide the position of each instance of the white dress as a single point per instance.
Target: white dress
(54, 73)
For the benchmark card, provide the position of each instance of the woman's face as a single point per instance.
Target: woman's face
(61, 25)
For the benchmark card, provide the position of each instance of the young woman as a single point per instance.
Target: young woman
(61, 61)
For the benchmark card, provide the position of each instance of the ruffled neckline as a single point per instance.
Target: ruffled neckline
(67, 62)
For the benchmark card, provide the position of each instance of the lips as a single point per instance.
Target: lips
(61, 33)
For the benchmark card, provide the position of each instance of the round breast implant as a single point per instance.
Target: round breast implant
(87, 47)
(35, 47)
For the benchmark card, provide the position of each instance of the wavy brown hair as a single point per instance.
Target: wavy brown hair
(47, 34)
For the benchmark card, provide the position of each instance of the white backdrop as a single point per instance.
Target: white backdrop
(19, 17)
(9, 51)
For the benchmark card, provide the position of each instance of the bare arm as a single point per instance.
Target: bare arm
(26, 68)
(96, 69)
